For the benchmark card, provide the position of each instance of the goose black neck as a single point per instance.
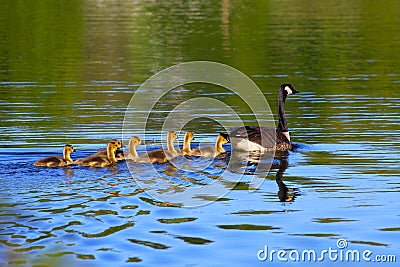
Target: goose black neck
(282, 124)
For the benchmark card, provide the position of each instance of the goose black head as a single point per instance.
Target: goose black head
(288, 89)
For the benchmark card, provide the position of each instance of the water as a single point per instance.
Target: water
(68, 71)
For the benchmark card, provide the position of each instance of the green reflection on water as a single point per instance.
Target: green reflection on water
(51, 41)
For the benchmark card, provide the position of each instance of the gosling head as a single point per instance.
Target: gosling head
(135, 141)
(69, 148)
(117, 142)
(172, 135)
(288, 89)
(189, 136)
(114, 144)
(225, 137)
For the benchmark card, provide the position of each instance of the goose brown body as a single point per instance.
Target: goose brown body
(259, 139)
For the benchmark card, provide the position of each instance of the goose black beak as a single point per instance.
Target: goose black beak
(294, 91)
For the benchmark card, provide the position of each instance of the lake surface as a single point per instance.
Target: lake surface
(68, 71)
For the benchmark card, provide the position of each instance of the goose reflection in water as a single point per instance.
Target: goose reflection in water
(285, 193)
(250, 163)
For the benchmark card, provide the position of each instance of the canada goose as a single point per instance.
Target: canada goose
(160, 155)
(132, 153)
(56, 161)
(99, 160)
(186, 143)
(212, 151)
(254, 138)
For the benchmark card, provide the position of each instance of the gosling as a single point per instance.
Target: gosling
(160, 155)
(56, 161)
(132, 153)
(98, 160)
(119, 154)
(212, 151)
(186, 150)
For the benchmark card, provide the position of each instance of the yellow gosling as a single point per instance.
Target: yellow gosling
(119, 154)
(186, 143)
(160, 155)
(56, 161)
(212, 151)
(98, 160)
(132, 153)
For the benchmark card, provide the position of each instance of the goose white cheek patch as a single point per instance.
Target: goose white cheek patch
(288, 90)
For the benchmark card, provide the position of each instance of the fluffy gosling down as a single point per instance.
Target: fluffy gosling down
(212, 151)
(132, 154)
(160, 155)
(56, 161)
(101, 160)
(186, 150)
(119, 154)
